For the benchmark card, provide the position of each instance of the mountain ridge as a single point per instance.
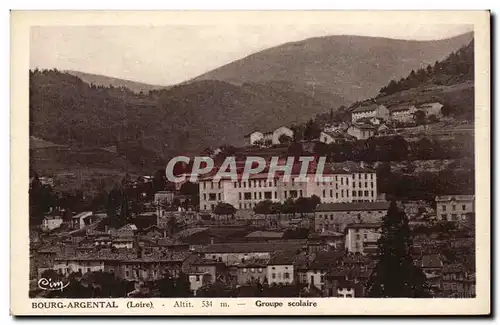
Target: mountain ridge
(103, 80)
(312, 59)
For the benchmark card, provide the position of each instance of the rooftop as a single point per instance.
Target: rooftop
(253, 247)
(363, 226)
(265, 234)
(431, 261)
(284, 257)
(400, 107)
(448, 198)
(366, 108)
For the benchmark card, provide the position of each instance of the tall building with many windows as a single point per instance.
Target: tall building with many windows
(348, 182)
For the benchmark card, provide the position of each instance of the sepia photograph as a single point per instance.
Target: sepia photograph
(281, 159)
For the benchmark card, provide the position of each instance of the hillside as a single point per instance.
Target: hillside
(450, 82)
(149, 128)
(354, 67)
(100, 80)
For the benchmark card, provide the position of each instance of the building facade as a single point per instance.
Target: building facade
(403, 113)
(359, 236)
(336, 216)
(361, 132)
(51, 222)
(345, 184)
(369, 111)
(454, 207)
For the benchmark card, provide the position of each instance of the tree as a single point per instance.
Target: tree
(285, 139)
(446, 110)
(432, 119)
(312, 131)
(223, 208)
(395, 275)
(419, 117)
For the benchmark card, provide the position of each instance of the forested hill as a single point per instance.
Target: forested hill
(458, 67)
(184, 118)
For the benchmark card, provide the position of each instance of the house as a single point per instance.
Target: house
(361, 131)
(326, 137)
(130, 265)
(276, 135)
(51, 222)
(161, 199)
(431, 264)
(350, 289)
(369, 111)
(327, 240)
(254, 137)
(360, 236)
(197, 280)
(280, 269)
(456, 282)
(454, 207)
(252, 271)
(214, 269)
(431, 109)
(336, 216)
(123, 242)
(403, 113)
(319, 267)
(383, 129)
(272, 136)
(84, 219)
(234, 253)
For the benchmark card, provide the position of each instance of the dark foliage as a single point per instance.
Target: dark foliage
(395, 275)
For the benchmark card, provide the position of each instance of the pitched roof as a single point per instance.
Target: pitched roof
(265, 234)
(447, 198)
(325, 260)
(400, 108)
(285, 257)
(363, 126)
(354, 206)
(254, 262)
(365, 108)
(362, 225)
(83, 215)
(189, 232)
(253, 247)
(431, 261)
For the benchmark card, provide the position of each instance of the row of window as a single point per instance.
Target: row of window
(454, 207)
(325, 216)
(354, 193)
(265, 183)
(360, 184)
(286, 275)
(454, 217)
(212, 196)
(252, 270)
(219, 185)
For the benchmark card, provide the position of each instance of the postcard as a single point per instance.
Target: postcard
(250, 163)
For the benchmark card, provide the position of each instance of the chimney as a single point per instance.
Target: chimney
(362, 164)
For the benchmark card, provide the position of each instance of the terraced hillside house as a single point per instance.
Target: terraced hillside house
(369, 111)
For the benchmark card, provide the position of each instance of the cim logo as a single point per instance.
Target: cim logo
(49, 284)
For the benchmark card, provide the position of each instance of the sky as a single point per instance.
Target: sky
(166, 55)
